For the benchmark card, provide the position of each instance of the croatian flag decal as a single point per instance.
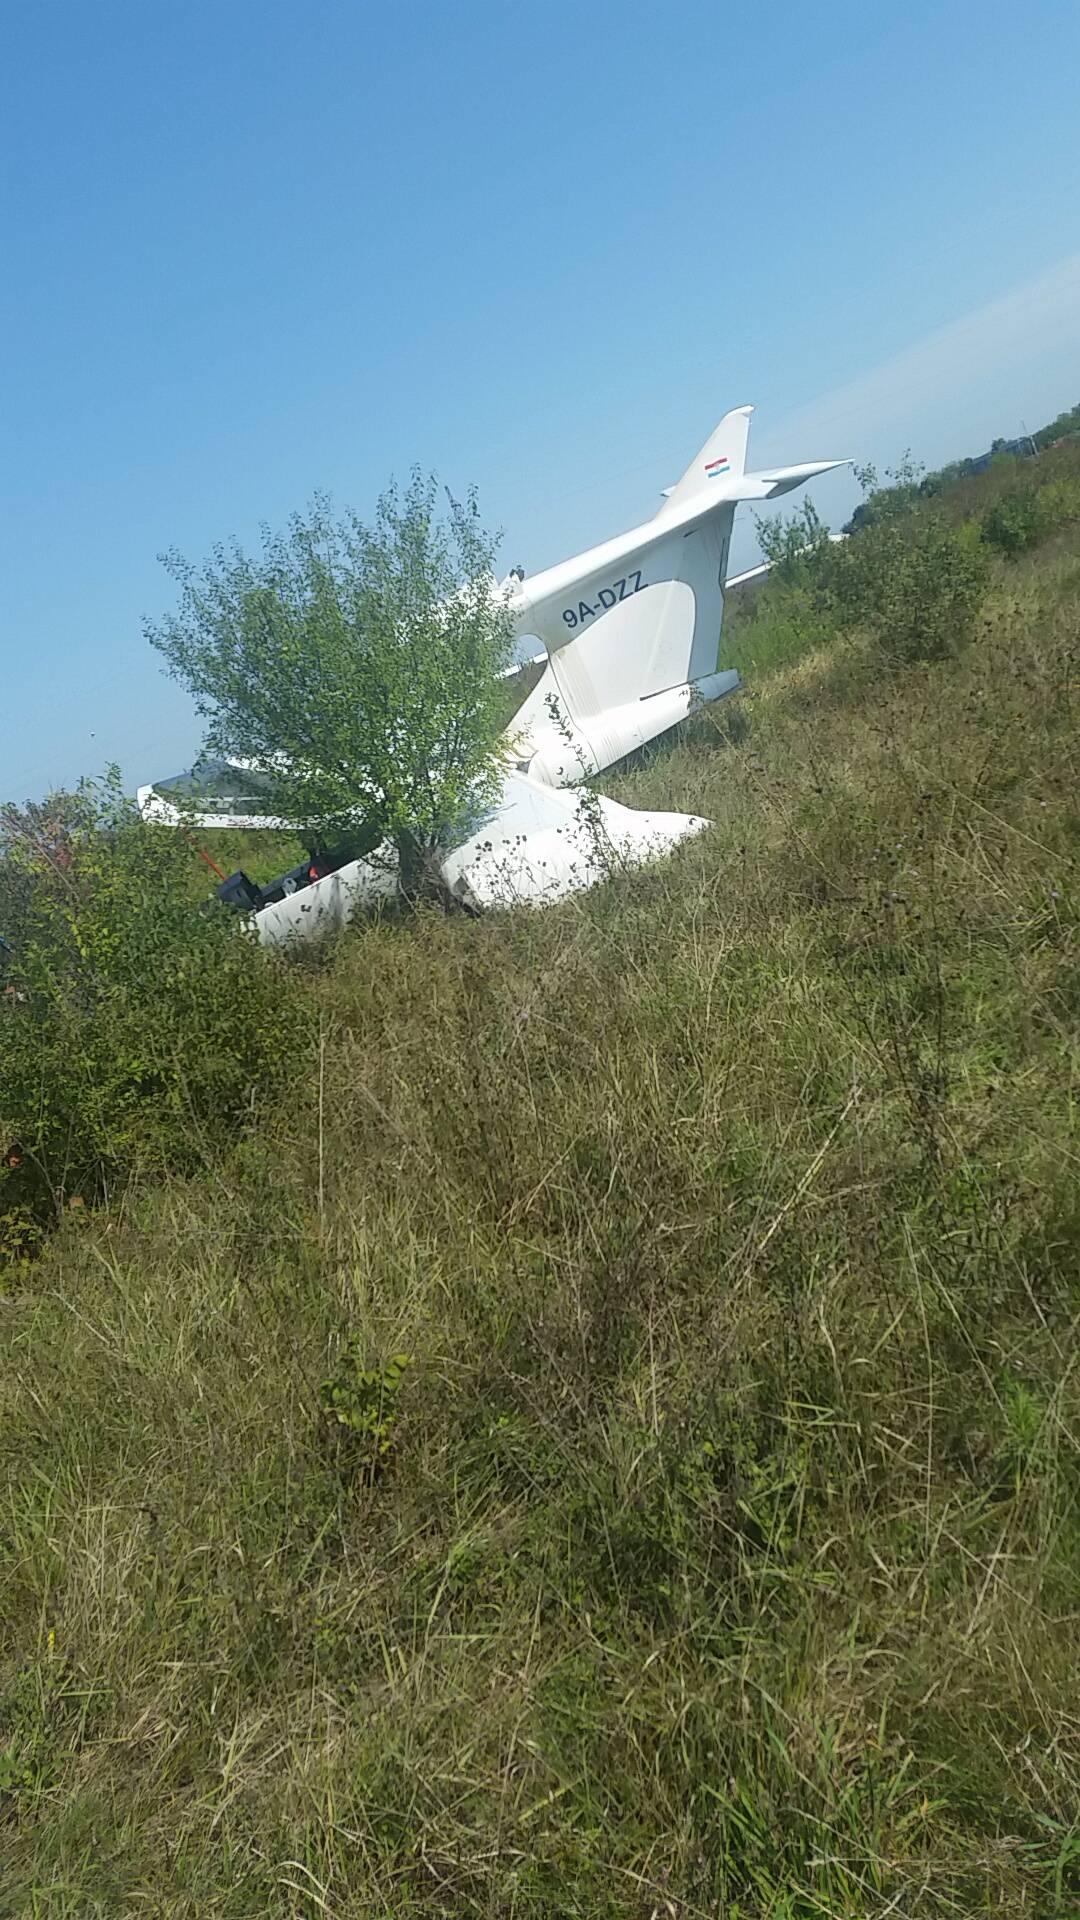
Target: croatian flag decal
(716, 467)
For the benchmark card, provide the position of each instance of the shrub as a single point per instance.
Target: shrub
(1014, 523)
(1059, 501)
(905, 485)
(134, 1026)
(906, 573)
(1019, 519)
(917, 582)
(792, 546)
(784, 622)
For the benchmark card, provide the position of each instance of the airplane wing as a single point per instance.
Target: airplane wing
(215, 793)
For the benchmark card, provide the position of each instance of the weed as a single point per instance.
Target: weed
(364, 1402)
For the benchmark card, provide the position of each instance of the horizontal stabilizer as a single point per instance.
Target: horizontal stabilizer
(771, 482)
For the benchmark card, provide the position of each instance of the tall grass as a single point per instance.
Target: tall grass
(711, 1545)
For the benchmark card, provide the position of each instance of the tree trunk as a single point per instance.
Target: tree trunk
(420, 879)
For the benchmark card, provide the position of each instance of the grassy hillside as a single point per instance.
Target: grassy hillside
(605, 1442)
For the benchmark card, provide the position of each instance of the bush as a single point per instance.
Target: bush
(1024, 516)
(134, 1026)
(1015, 522)
(783, 622)
(906, 573)
(906, 485)
(1059, 501)
(917, 582)
(792, 546)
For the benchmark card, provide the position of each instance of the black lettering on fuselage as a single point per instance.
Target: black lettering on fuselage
(607, 597)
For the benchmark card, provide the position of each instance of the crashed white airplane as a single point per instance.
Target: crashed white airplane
(631, 633)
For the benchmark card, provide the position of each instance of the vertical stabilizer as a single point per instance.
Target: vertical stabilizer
(723, 457)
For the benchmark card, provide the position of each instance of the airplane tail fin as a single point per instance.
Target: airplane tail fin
(723, 457)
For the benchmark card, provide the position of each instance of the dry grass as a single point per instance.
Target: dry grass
(718, 1552)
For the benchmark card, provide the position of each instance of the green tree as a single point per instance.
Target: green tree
(358, 666)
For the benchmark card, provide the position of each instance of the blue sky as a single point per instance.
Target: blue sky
(256, 248)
